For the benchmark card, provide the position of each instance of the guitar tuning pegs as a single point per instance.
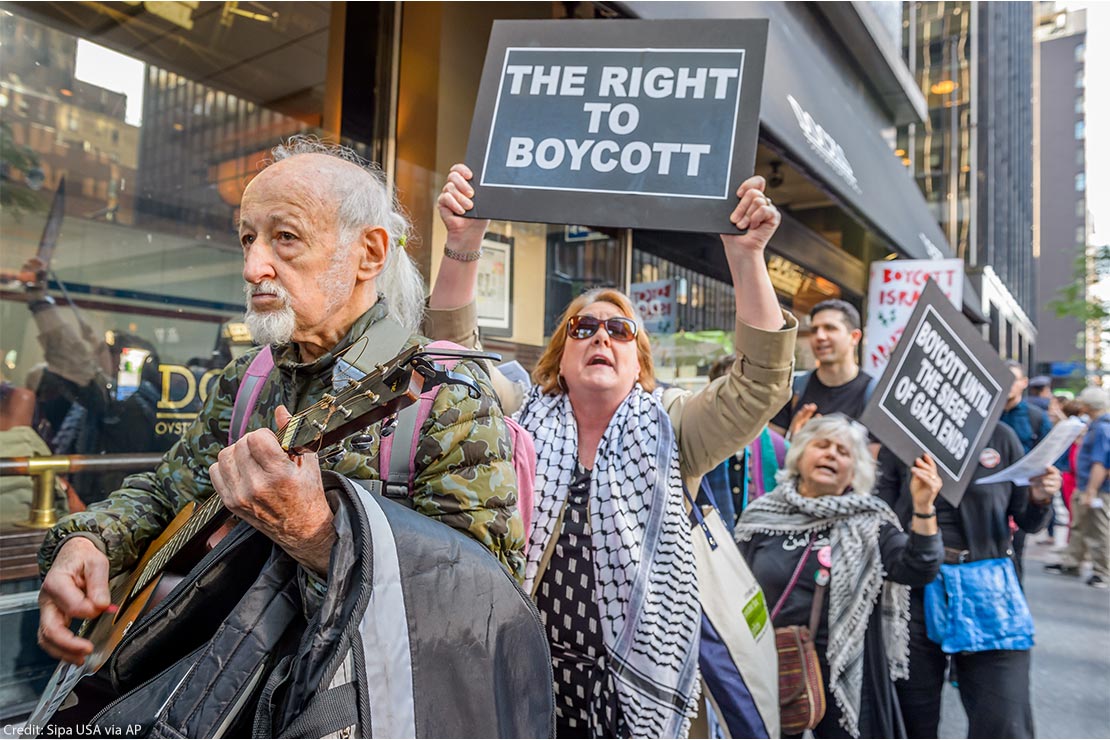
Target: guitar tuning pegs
(362, 443)
(334, 457)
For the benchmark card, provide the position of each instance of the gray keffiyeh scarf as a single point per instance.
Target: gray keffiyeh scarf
(853, 521)
(647, 590)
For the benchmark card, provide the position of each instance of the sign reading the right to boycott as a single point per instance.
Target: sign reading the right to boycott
(646, 124)
(942, 393)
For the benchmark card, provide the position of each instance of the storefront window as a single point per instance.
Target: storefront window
(155, 130)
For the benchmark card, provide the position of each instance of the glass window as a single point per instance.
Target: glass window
(1080, 182)
(1080, 235)
(1080, 53)
(1079, 104)
(1080, 157)
(1081, 209)
(156, 146)
(1080, 130)
(1079, 82)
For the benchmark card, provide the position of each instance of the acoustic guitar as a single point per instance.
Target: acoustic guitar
(195, 530)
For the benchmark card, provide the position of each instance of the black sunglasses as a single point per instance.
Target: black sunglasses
(619, 328)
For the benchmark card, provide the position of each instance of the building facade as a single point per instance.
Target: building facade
(1062, 182)
(972, 157)
(158, 114)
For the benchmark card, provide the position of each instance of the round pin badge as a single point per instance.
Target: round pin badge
(824, 556)
(989, 458)
(822, 577)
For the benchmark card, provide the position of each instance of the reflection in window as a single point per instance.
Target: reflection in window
(155, 152)
(578, 258)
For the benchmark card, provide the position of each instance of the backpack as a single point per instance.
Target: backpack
(396, 649)
(397, 453)
(1037, 418)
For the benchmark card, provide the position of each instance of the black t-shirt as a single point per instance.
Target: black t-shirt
(848, 399)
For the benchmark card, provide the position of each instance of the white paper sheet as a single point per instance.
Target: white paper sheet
(1047, 451)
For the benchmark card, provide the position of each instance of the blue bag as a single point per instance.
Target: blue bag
(978, 606)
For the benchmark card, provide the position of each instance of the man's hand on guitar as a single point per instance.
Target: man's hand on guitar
(281, 497)
(76, 586)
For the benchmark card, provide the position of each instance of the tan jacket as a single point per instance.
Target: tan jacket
(710, 424)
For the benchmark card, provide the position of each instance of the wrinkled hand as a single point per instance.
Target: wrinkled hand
(281, 497)
(76, 586)
(454, 200)
(754, 212)
(925, 484)
(802, 417)
(1045, 486)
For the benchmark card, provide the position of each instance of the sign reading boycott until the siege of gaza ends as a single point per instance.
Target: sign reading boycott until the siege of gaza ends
(647, 124)
(942, 393)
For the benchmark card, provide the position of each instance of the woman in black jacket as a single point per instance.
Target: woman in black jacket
(993, 684)
(823, 510)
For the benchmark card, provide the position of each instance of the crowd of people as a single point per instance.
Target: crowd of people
(817, 505)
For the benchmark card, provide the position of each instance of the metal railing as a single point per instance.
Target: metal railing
(45, 469)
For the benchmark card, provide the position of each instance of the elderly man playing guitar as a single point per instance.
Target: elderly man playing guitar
(326, 276)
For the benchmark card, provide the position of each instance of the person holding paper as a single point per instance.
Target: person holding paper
(610, 557)
(993, 663)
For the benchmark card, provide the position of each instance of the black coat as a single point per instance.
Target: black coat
(982, 517)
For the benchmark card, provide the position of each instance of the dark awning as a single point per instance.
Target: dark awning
(812, 109)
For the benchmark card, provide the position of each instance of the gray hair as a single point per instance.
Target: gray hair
(1094, 398)
(367, 200)
(843, 430)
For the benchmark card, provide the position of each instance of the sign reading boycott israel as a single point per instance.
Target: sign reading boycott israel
(646, 124)
(942, 393)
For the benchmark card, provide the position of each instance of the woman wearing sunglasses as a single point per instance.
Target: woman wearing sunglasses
(610, 561)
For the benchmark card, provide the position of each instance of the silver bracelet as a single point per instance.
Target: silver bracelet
(462, 256)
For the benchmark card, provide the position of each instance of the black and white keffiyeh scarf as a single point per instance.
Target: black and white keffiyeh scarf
(853, 521)
(646, 583)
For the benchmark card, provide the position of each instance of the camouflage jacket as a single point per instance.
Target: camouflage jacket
(464, 471)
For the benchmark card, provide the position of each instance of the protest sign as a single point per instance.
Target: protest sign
(892, 295)
(656, 303)
(646, 124)
(942, 393)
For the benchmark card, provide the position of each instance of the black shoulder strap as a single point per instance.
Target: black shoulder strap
(801, 383)
(1036, 421)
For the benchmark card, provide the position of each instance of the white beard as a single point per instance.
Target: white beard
(270, 327)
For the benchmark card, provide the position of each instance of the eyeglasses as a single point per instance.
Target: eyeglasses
(619, 328)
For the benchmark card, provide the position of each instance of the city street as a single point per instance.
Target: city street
(1071, 660)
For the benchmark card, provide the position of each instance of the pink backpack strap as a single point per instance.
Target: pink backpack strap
(246, 398)
(397, 453)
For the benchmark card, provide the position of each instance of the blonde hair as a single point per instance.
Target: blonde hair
(546, 375)
(838, 428)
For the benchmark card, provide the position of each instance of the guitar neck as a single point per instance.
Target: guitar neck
(200, 519)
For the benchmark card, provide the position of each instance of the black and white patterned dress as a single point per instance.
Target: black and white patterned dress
(585, 700)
